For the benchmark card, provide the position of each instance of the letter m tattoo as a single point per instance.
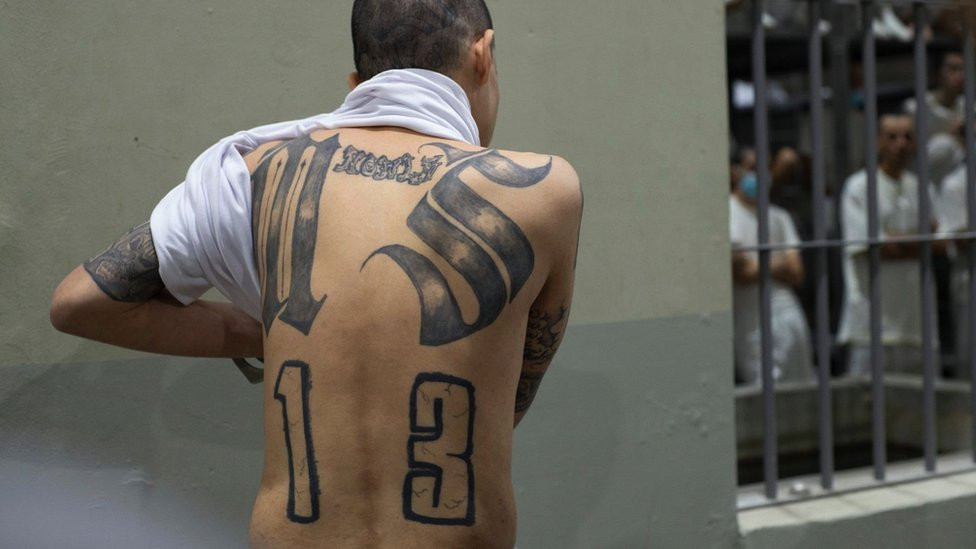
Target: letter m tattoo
(287, 188)
(441, 320)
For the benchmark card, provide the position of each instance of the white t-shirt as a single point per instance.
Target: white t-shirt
(202, 228)
(941, 119)
(952, 219)
(790, 334)
(899, 279)
(952, 215)
(945, 151)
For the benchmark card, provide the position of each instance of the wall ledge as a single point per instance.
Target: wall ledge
(866, 513)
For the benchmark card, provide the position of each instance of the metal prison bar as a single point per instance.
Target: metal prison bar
(873, 242)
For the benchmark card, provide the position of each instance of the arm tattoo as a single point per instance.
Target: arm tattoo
(128, 270)
(528, 386)
(542, 338)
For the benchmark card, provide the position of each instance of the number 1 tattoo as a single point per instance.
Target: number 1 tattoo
(292, 389)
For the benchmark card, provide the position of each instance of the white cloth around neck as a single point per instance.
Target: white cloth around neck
(202, 228)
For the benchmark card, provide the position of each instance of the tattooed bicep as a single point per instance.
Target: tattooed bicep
(543, 335)
(129, 269)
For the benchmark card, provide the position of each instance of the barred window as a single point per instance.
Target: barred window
(852, 202)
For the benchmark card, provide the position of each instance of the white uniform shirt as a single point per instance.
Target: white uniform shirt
(945, 152)
(954, 218)
(791, 337)
(941, 119)
(952, 215)
(899, 279)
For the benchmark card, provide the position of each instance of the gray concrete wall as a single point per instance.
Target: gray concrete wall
(104, 105)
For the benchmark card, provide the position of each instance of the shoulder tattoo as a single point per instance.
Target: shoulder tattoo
(128, 270)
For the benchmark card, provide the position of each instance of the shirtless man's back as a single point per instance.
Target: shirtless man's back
(396, 382)
(413, 285)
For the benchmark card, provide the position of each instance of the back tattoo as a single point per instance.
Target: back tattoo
(287, 188)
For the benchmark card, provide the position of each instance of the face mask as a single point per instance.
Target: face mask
(749, 186)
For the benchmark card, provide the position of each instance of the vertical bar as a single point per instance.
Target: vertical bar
(820, 234)
(770, 463)
(970, 91)
(874, 250)
(925, 229)
(840, 68)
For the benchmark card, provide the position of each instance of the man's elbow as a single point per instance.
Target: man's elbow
(72, 303)
(64, 312)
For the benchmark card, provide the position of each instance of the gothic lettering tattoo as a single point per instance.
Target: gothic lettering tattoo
(439, 487)
(441, 320)
(359, 162)
(542, 337)
(292, 390)
(128, 270)
(287, 187)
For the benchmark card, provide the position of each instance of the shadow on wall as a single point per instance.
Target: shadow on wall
(630, 442)
(110, 454)
(581, 446)
(115, 414)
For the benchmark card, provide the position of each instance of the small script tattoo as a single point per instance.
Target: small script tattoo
(129, 269)
(359, 162)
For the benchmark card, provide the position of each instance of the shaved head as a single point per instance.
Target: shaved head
(415, 34)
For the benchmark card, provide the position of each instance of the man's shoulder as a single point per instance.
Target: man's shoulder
(561, 181)
(956, 178)
(779, 212)
(856, 181)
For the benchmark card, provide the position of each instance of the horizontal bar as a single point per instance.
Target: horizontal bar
(938, 3)
(816, 244)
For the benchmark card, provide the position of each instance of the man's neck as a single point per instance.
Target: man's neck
(892, 171)
(743, 199)
(944, 97)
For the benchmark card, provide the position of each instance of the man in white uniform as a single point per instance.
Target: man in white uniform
(945, 106)
(790, 334)
(901, 319)
(953, 218)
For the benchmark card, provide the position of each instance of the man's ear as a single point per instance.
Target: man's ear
(484, 55)
(353, 80)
